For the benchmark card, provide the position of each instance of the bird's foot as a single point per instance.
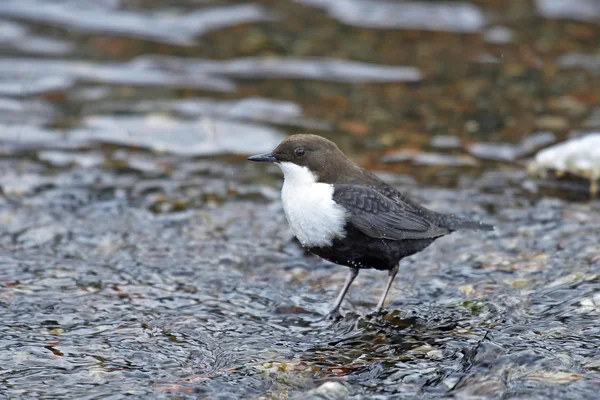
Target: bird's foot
(334, 315)
(378, 312)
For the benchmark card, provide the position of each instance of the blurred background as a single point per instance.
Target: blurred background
(142, 254)
(437, 90)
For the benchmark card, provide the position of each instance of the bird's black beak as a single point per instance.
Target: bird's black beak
(266, 157)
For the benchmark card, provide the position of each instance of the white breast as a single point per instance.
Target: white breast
(314, 217)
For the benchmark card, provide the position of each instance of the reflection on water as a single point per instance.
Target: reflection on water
(140, 254)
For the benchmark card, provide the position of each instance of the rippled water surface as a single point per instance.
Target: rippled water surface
(141, 256)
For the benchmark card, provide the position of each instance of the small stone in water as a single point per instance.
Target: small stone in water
(591, 303)
(63, 158)
(536, 141)
(556, 377)
(327, 391)
(494, 151)
(445, 142)
(498, 35)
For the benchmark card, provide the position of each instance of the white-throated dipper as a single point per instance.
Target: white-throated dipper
(347, 215)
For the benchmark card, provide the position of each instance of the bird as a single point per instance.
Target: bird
(347, 215)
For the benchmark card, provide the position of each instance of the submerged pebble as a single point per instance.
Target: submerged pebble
(499, 35)
(327, 391)
(511, 152)
(198, 137)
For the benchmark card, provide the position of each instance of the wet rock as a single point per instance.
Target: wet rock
(13, 85)
(421, 158)
(591, 303)
(174, 27)
(511, 152)
(445, 142)
(63, 159)
(255, 108)
(499, 35)
(39, 236)
(536, 141)
(481, 388)
(494, 151)
(15, 138)
(289, 373)
(10, 31)
(22, 184)
(17, 36)
(83, 95)
(251, 109)
(582, 10)
(317, 68)
(22, 76)
(152, 164)
(451, 17)
(15, 111)
(327, 391)
(579, 157)
(590, 62)
(201, 137)
(44, 46)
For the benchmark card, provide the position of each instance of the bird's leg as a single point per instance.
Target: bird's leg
(391, 275)
(335, 311)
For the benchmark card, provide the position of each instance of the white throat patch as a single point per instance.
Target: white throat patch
(315, 219)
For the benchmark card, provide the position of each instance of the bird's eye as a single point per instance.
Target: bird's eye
(299, 151)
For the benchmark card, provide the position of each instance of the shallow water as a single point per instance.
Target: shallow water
(141, 255)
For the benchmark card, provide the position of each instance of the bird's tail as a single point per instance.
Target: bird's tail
(455, 223)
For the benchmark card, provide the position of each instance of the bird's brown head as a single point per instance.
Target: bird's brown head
(321, 156)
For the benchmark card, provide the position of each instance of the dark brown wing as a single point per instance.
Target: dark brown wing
(379, 217)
